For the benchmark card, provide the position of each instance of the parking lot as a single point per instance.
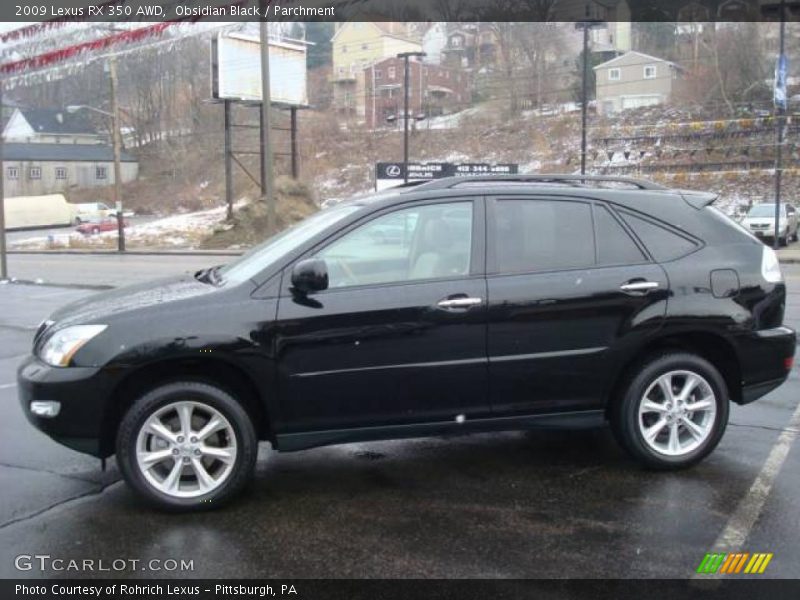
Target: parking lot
(521, 504)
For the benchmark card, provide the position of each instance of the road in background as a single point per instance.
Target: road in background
(519, 504)
(108, 269)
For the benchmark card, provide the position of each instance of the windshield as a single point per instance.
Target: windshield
(266, 253)
(763, 210)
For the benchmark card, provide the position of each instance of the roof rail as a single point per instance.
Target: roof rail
(574, 180)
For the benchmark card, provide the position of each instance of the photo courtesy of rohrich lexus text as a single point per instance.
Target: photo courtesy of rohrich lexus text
(335, 299)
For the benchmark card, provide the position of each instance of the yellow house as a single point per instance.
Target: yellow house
(356, 45)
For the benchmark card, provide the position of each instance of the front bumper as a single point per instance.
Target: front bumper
(82, 392)
(763, 356)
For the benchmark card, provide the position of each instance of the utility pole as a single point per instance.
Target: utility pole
(584, 96)
(405, 56)
(780, 122)
(267, 187)
(115, 123)
(228, 161)
(3, 263)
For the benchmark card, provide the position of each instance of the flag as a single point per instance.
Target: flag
(779, 94)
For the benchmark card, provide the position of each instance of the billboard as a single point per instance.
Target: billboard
(236, 69)
(392, 174)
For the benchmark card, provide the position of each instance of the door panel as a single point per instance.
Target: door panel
(552, 335)
(400, 335)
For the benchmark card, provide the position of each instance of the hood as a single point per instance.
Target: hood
(99, 307)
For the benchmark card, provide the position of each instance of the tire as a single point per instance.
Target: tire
(226, 453)
(629, 424)
(783, 239)
(78, 221)
(794, 237)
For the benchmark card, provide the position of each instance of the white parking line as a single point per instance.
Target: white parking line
(6, 386)
(744, 517)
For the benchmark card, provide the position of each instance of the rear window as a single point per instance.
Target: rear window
(662, 243)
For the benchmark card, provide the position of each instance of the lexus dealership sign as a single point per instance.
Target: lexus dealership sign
(390, 174)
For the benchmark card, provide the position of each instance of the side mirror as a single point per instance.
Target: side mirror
(310, 275)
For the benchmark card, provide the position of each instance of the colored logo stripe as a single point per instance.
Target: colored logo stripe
(734, 563)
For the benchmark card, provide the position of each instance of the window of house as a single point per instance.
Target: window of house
(35, 173)
(101, 172)
(542, 235)
(455, 42)
(613, 74)
(650, 72)
(378, 74)
(392, 72)
(425, 242)
(61, 172)
(12, 172)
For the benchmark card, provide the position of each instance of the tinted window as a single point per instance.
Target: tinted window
(614, 245)
(425, 242)
(543, 235)
(663, 244)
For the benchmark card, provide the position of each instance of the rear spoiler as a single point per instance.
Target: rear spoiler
(698, 200)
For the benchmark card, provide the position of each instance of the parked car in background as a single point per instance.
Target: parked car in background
(760, 220)
(87, 211)
(50, 210)
(461, 305)
(98, 225)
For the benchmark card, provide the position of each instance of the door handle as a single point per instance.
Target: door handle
(459, 302)
(639, 287)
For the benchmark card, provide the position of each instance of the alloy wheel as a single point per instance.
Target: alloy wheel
(677, 413)
(186, 449)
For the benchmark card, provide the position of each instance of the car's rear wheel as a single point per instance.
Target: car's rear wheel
(186, 445)
(673, 411)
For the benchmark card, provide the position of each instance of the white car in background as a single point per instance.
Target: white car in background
(88, 211)
(760, 221)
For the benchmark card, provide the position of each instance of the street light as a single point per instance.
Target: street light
(113, 116)
(586, 25)
(405, 56)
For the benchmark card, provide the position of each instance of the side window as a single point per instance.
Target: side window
(542, 235)
(662, 243)
(424, 242)
(614, 245)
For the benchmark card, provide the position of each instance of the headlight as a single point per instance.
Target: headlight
(60, 347)
(770, 267)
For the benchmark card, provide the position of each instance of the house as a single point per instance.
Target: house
(433, 90)
(434, 41)
(49, 126)
(49, 151)
(633, 80)
(357, 44)
(32, 169)
(470, 46)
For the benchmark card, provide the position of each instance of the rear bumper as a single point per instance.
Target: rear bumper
(82, 394)
(763, 356)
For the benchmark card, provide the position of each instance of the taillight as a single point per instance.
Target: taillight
(770, 267)
(788, 362)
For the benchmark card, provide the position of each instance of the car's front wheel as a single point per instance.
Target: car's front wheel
(186, 445)
(673, 411)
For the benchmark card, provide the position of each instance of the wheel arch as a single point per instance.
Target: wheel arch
(711, 346)
(213, 371)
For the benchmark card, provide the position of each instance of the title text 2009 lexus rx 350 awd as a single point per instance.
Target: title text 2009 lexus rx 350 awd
(496, 303)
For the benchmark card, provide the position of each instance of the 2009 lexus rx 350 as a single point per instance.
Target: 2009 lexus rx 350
(496, 303)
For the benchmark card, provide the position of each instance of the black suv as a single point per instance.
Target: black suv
(455, 306)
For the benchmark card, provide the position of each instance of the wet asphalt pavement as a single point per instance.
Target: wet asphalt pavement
(533, 504)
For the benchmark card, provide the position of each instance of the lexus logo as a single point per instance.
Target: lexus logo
(393, 171)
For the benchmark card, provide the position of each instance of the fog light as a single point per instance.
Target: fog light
(48, 408)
